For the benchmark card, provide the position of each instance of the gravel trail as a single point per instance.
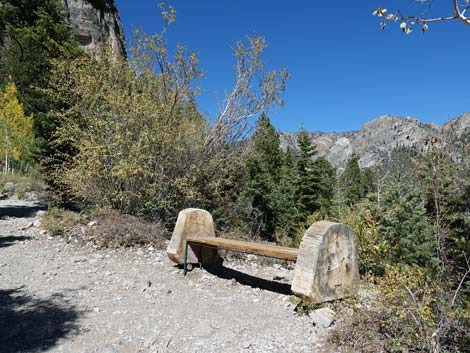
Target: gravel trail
(57, 296)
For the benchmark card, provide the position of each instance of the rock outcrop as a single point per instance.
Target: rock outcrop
(95, 22)
(374, 143)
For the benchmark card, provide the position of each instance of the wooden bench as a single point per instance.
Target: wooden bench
(325, 263)
(278, 252)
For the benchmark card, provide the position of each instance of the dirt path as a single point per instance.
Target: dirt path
(59, 297)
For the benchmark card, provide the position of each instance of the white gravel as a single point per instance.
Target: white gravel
(61, 297)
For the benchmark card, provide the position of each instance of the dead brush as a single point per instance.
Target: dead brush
(114, 229)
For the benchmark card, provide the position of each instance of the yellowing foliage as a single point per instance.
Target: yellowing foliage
(15, 126)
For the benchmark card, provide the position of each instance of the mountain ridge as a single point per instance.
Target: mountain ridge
(376, 139)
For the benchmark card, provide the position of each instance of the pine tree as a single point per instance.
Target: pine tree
(368, 178)
(284, 200)
(324, 182)
(351, 182)
(306, 193)
(264, 174)
(405, 227)
(33, 35)
(445, 189)
(458, 226)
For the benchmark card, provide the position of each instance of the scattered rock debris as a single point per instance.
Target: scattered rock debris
(57, 296)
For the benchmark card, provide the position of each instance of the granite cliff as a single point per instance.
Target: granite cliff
(95, 22)
(376, 140)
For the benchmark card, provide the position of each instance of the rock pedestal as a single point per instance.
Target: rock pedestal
(194, 223)
(326, 267)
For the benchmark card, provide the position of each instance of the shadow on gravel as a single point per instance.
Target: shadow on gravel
(248, 280)
(21, 211)
(29, 324)
(7, 240)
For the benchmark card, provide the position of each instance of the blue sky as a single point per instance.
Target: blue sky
(345, 70)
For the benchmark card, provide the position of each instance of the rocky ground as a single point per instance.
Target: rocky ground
(57, 296)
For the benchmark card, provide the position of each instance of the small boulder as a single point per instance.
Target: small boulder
(279, 277)
(31, 196)
(92, 224)
(9, 187)
(323, 317)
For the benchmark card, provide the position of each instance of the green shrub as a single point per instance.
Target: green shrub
(373, 249)
(304, 307)
(392, 232)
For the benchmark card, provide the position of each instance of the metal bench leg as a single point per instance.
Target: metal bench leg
(185, 264)
(200, 257)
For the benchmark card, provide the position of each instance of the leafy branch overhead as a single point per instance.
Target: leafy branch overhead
(407, 22)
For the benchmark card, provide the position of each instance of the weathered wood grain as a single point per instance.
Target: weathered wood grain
(191, 222)
(326, 268)
(248, 247)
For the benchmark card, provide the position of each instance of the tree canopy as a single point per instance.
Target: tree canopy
(15, 127)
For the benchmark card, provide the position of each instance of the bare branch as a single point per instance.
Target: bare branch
(253, 93)
(459, 14)
(461, 281)
(407, 21)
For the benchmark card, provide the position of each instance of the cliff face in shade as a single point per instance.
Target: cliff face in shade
(96, 22)
(375, 143)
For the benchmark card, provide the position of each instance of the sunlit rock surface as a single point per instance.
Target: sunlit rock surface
(96, 22)
(375, 142)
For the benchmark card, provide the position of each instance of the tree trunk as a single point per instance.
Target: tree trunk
(6, 166)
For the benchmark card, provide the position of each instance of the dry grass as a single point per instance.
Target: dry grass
(361, 332)
(59, 222)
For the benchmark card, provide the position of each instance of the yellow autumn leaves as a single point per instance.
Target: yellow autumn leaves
(15, 126)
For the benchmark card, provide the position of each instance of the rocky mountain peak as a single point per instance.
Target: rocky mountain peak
(388, 121)
(376, 140)
(458, 125)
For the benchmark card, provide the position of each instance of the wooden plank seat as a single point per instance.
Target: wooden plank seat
(277, 252)
(326, 261)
